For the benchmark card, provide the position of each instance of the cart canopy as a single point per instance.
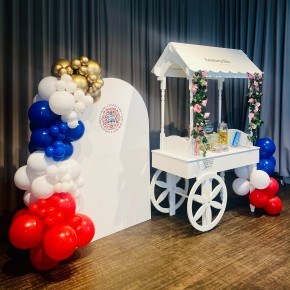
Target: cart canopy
(181, 60)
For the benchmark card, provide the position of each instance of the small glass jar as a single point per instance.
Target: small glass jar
(223, 134)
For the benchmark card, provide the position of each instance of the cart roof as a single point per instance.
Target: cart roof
(181, 60)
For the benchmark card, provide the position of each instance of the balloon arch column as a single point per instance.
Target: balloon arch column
(52, 225)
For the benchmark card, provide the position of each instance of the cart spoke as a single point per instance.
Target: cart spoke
(216, 204)
(216, 191)
(162, 196)
(178, 190)
(208, 215)
(161, 184)
(200, 212)
(200, 199)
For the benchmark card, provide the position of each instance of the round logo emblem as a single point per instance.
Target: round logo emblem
(111, 118)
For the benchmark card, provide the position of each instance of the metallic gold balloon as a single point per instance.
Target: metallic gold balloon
(61, 71)
(75, 63)
(81, 82)
(96, 96)
(84, 60)
(91, 78)
(94, 68)
(100, 81)
(96, 86)
(69, 70)
(61, 63)
(83, 70)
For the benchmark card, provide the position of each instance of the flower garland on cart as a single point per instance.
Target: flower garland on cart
(198, 103)
(254, 95)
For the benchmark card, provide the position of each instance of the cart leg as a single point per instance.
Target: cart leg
(206, 189)
(252, 168)
(172, 197)
(222, 175)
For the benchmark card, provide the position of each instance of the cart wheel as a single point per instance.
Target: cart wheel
(161, 185)
(210, 206)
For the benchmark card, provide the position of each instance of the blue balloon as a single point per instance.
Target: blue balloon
(69, 149)
(41, 116)
(272, 158)
(40, 139)
(267, 147)
(49, 151)
(76, 133)
(54, 131)
(266, 165)
(63, 127)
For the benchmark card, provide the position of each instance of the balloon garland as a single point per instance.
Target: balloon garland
(51, 225)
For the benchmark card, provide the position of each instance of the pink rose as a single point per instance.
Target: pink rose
(204, 102)
(204, 73)
(194, 88)
(197, 108)
(258, 104)
(199, 128)
(254, 126)
(251, 76)
(256, 109)
(205, 90)
(251, 101)
(206, 115)
(260, 75)
(255, 84)
(251, 116)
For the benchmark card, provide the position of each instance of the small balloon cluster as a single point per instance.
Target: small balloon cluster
(267, 161)
(52, 225)
(261, 188)
(51, 229)
(85, 72)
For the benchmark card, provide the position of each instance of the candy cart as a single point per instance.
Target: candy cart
(176, 161)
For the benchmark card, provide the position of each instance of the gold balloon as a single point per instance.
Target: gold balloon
(75, 63)
(69, 70)
(96, 96)
(84, 60)
(83, 70)
(96, 86)
(81, 82)
(94, 68)
(100, 81)
(61, 63)
(91, 78)
(61, 71)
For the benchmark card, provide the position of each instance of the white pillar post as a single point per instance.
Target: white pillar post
(162, 131)
(220, 89)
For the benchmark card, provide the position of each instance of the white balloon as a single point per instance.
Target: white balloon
(36, 98)
(61, 102)
(73, 168)
(71, 87)
(80, 107)
(241, 186)
(73, 124)
(42, 188)
(66, 178)
(79, 95)
(80, 182)
(243, 172)
(21, 179)
(29, 198)
(259, 179)
(51, 170)
(60, 85)
(38, 162)
(47, 87)
(58, 187)
(66, 78)
(88, 99)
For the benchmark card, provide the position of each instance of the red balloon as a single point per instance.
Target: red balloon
(20, 213)
(258, 198)
(272, 188)
(40, 260)
(87, 230)
(60, 242)
(26, 232)
(65, 202)
(273, 205)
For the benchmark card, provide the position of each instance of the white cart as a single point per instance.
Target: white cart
(175, 160)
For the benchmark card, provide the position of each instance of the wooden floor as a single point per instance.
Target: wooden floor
(245, 251)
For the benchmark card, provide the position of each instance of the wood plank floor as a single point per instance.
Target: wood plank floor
(245, 251)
